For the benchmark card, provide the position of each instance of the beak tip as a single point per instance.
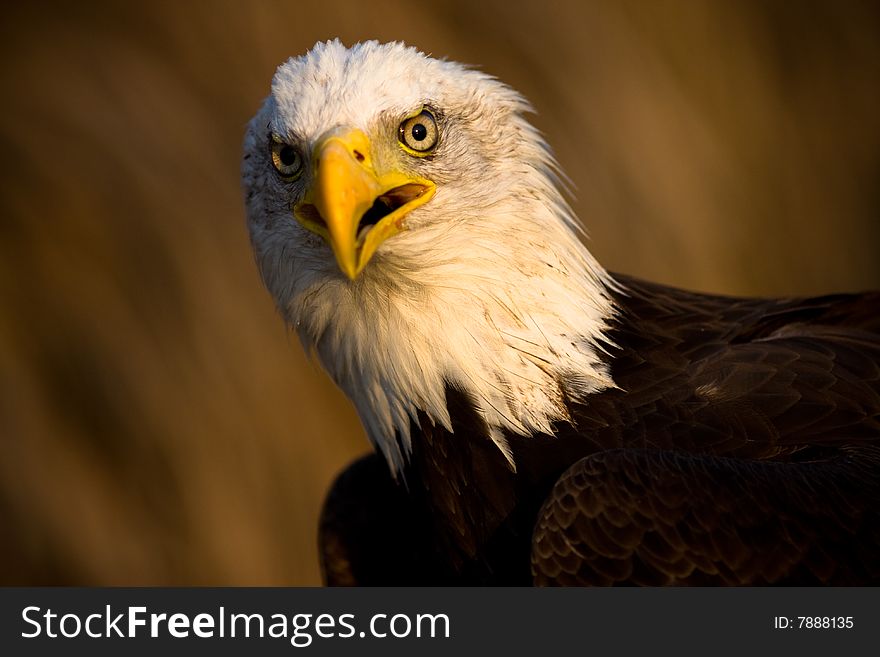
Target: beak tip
(350, 269)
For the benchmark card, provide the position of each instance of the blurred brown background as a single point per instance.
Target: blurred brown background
(160, 426)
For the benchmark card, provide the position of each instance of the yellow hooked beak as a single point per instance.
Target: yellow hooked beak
(350, 205)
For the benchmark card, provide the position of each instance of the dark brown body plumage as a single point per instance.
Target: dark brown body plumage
(742, 446)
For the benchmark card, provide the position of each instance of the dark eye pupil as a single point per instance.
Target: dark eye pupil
(419, 132)
(287, 155)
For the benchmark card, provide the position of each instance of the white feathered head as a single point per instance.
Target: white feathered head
(407, 220)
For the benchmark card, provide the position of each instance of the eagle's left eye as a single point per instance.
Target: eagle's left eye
(418, 134)
(287, 160)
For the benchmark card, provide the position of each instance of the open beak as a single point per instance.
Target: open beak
(350, 205)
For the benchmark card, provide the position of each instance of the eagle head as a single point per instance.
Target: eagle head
(408, 222)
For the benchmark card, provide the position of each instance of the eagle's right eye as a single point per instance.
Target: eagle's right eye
(287, 160)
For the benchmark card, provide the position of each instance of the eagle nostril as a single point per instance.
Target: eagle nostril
(359, 156)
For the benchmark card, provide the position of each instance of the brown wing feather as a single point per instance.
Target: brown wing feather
(670, 518)
(373, 533)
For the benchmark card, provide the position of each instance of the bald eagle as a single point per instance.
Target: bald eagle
(539, 419)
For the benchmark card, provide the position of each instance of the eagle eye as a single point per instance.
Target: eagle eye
(418, 134)
(287, 160)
